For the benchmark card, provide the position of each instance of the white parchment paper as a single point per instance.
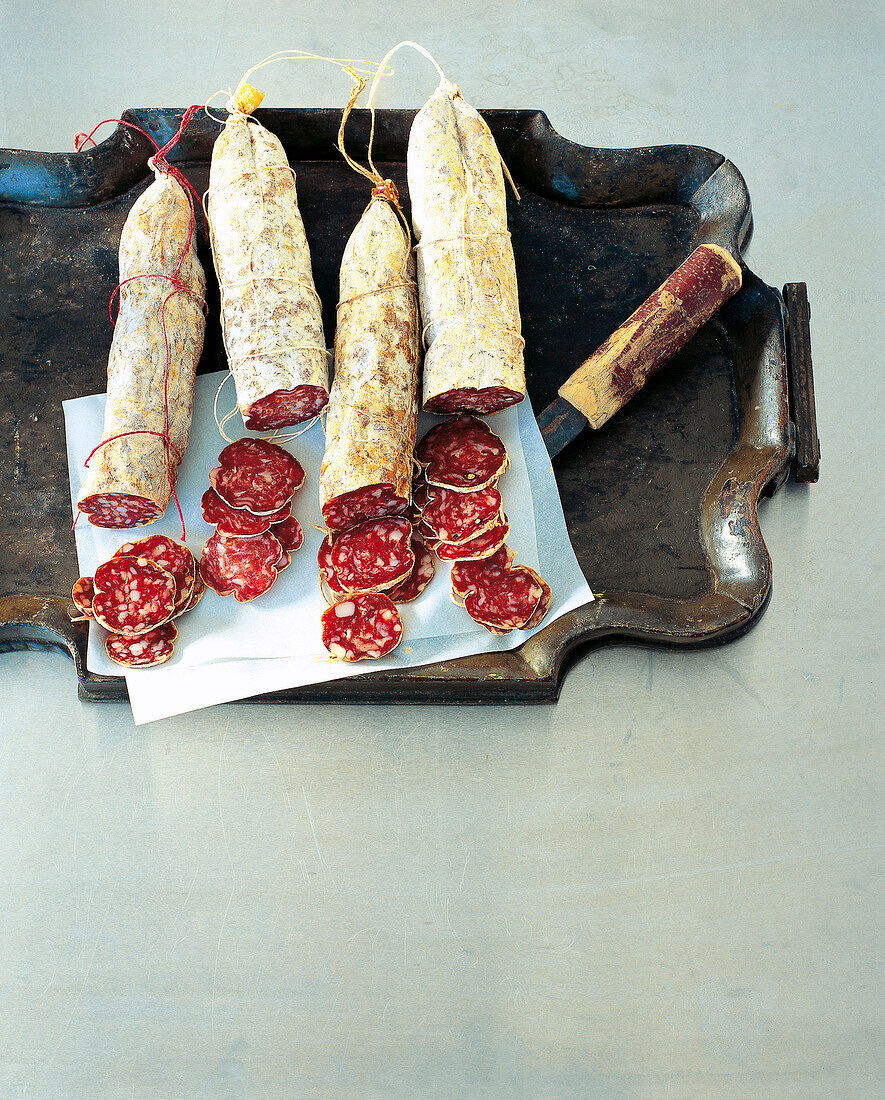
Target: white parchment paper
(227, 650)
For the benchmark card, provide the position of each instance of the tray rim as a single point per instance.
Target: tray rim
(534, 672)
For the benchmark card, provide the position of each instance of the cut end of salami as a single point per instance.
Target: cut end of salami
(362, 627)
(285, 408)
(493, 399)
(119, 510)
(363, 504)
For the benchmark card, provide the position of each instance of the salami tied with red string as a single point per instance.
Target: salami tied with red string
(171, 556)
(237, 521)
(154, 647)
(270, 312)
(157, 341)
(457, 517)
(240, 566)
(82, 594)
(372, 414)
(132, 595)
(507, 604)
(373, 556)
(361, 627)
(482, 546)
(422, 573)
(462, 454)
(256, 475)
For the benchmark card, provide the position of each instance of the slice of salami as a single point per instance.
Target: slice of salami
(462, 454)
(288, 533)
(237, 521)
(284, 408)
(256, 475)
(327, 570)
(422, 573)
(543, 604)
(374, 555)
(361, 627)
(486, 401)
(508, 604)
(483, 546)
(456, 517)
(361, 505)
(422, 494)
(119, 510)
(469, 576)
(154, 647)
(197, 594)
(284, 562)
(241, 566)
(82, 594)
(174, 557)
(133, 595)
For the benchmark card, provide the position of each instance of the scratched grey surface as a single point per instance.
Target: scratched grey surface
(668, 884)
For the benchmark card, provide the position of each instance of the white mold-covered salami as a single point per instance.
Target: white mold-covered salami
(371, 423)
(466, 272)
(270, 313)
(129, 481)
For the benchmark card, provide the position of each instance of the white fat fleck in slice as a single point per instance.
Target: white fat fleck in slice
(338, 651)
(345, 610)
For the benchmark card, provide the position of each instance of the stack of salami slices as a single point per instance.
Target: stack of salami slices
(249, 502)
(459, 512)
(365, 572)
(137, 594)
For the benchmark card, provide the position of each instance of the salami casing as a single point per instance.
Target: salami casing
(131, 475)
(371, 423)
(270, 312)
(466, 272)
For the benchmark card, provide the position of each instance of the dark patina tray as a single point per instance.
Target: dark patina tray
(660, 503)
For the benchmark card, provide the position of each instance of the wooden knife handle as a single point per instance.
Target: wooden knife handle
(665, 321)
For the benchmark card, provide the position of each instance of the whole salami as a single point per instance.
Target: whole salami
(371, 423)
(157, 342)
(270, 312)
(466, 272)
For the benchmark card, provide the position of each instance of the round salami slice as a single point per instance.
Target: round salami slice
(284, 562)
(154, 647)
(469, 576)
(133, 595)
(237, 521)
(119, 510)
(543, 604)
(489, 400)
(256, 475)
(82, 594)
(328, 576)
(475, 549)
(422, 494)
(422, 573)
(361, 505)
(174, 557)
(241, 566)
(284, 408)
(361, 627)
(462, 454)
(197, 594)
(374, 555)
(288, 533)
(508, 604)
(456, 517)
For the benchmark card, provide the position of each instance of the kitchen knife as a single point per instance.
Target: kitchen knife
(623, 363)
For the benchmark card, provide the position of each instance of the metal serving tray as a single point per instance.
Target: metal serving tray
(660, 503)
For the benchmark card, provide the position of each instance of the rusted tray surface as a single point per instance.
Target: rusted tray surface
(660, 504)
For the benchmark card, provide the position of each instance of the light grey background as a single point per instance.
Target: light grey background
(667, 884)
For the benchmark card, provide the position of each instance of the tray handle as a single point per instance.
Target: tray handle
(806, 461)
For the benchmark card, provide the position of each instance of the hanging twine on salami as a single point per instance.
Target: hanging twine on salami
(159, 164)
